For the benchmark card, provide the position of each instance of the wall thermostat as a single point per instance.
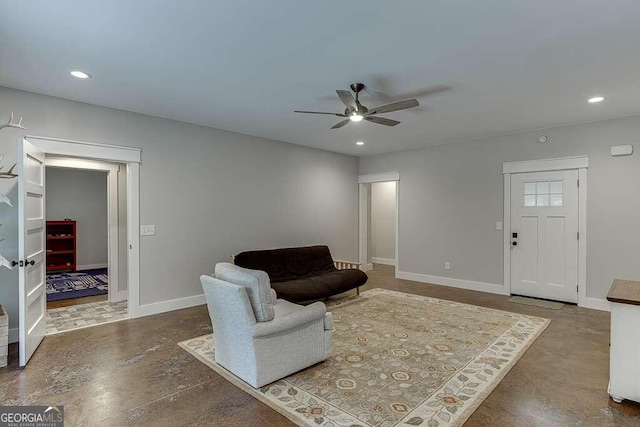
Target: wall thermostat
(542, 139)
(622, 150)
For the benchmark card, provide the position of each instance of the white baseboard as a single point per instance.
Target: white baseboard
(597, 304)
(119, 296)
(174, 304)
(368, 266)
(91, 266)
(145, 310)
(385, 261)
(454, 283)
(13, 335)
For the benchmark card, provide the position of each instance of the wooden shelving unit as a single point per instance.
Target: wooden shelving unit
(61, 246)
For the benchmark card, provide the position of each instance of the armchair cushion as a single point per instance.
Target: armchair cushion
(256, 284)
(293, 319)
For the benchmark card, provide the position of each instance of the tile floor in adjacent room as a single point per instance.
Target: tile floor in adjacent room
(133, 372)
(82, 315)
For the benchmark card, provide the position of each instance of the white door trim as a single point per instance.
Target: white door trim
(580, 163)
(112, 214)
(88, 150)
(111, 153)
(545, 165)
(364, 182)
(379, 177)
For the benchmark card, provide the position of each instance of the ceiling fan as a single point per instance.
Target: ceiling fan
(356, 112)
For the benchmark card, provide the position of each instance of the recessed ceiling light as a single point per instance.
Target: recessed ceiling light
(359, 143)
(80, 74)
(355, 117)
(596, 99)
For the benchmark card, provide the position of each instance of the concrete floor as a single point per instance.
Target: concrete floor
(132, 372)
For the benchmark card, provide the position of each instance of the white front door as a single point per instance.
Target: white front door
(544, 235)
(31, 249)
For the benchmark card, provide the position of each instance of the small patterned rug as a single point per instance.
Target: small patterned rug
(84, 315)
(398, 359)
(79, 284)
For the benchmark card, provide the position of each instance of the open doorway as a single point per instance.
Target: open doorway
(32, 152)
(382, 238)
(86, 254)
(378, 217)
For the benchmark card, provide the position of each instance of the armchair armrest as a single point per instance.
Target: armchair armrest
(291, 320)
(344, 265)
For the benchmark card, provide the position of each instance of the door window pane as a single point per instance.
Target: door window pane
(542, 187)
(555, 200)
(529, 188)
(556, 187)
(542, 200)
(530, 200)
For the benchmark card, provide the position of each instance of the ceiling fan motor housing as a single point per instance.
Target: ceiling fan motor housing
(357, 87)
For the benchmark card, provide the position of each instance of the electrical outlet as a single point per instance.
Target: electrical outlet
(447, 265)
(147, 230)
(499, 225)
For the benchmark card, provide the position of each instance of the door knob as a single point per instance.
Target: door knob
(14, 263)
(32, 262)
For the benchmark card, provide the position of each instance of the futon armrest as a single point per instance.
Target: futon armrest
(328, 321)
(308, 314)
(345, 265)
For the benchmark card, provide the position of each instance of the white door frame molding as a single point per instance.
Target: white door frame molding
(112, 214)
(111, 153)
(364, 194)
(581, 163)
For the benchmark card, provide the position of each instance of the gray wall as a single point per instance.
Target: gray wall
(210, 193)
(383, 220)
(82, 196)
(451, 197)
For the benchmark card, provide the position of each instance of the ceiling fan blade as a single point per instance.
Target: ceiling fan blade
(382, 121)
(347, 99)
(320, 112)
(402, 105)
(340, 124)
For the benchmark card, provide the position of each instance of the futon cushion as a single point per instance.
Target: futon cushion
(321, 286)
(256, 284)
(287, 264)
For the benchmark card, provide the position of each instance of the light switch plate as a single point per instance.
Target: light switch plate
(499, 225)
(147, 230)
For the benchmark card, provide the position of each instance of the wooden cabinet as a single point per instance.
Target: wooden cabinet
(624, 369)
(61, 246)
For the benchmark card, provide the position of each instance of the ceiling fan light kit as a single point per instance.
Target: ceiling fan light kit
(356, 112)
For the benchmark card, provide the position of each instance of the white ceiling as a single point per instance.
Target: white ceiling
(244, 65)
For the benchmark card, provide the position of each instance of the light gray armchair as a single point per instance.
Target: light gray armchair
(257, 337)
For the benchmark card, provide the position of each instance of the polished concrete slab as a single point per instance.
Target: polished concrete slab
(132, 372)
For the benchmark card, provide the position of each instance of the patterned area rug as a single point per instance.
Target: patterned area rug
(398, 359)
(74, 285)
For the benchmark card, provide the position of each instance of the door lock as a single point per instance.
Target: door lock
(514, 239)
